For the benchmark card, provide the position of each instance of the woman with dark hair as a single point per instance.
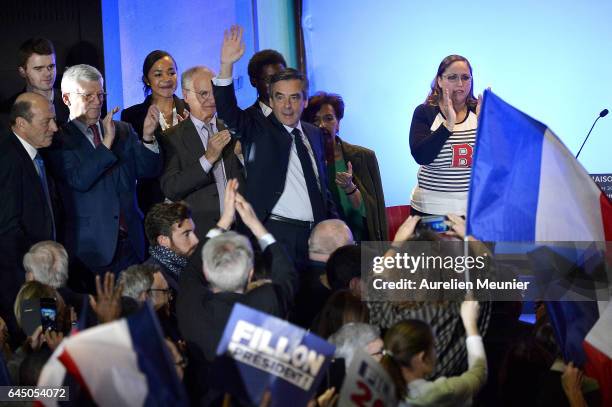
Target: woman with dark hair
(442, 138)
(341, 308)
(354, 177)
(159, 78)
(409, 358)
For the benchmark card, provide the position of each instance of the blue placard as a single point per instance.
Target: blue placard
(260, 352)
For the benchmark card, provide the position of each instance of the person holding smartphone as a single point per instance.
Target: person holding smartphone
(442, 139)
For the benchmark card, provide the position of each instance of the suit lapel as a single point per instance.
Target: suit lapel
(191, 139)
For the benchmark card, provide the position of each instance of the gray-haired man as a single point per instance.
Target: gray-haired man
(98, 162)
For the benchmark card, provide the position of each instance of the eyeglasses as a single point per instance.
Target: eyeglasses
(90, 96)
(454, 78)
(205, 94)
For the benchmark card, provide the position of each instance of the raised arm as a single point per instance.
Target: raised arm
(425, 145)
(223, 88)
(282, 270)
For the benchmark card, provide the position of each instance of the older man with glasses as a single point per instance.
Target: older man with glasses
(98, 162)
(200, 154)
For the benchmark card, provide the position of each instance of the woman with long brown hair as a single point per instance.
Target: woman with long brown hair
(442, 139)
(409, 358)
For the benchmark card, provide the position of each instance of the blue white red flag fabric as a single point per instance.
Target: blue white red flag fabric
(122, 363)
(526, 186)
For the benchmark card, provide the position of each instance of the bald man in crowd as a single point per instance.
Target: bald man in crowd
(27, 208)
(326, 237)
(200, 154)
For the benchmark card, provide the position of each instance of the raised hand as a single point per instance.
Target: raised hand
(457, 224)
(150, 123)
(406, 230)
(107, 304)
(571, 380)
(233, 46)
(479, 105)
(249, 217)
(185, 116)
(345, 179)
(469, 315)
(216, 144)
(446, 106)
(109, 128)
(229, 204)
(53, 339)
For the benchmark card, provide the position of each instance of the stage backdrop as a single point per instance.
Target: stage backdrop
(551, 59)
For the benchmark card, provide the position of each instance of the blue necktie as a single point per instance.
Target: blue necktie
(40, 165)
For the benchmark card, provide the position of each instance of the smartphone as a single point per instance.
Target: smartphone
(48, 314)
(37, 312)
(434, 223)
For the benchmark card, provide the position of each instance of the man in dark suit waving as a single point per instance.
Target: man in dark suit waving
(286, 179)
(98, 162)
(27, 210)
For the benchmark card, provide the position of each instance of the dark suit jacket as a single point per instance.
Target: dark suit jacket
(268, 144)
(184, 178)
(202, 314)
(25, 218)
(97, 185)
(366, 176)
(148, 190)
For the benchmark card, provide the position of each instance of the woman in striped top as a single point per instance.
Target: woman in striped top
(442, 139)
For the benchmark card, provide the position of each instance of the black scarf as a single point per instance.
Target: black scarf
(173, 262)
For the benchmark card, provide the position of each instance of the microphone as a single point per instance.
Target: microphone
(603, 113)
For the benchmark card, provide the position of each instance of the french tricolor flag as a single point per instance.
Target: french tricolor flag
(121, 363)
(526, 186)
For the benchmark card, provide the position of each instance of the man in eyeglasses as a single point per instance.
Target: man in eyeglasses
(98, 162)
(200, 154)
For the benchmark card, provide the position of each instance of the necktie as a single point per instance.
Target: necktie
(314, 193)
(40, 165)
(96, 134)
(218, 170)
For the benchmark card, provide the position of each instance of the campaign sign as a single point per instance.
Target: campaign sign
(366, 384)
(604, 181)
(268, 353)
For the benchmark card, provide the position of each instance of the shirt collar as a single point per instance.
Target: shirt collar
(266, 110)
(299, 127)
(82, 126)
(199, 124)
(32, 151)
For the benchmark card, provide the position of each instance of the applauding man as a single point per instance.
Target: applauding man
(200, 156)
(98, 162)
(286, 179)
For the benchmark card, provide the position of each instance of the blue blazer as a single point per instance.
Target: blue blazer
(267, 145)
(97, 184)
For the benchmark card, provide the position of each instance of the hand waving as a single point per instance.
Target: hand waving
(345, 179)
(107, 304)
(233, 47)
(109, 128)
(446, 106)
(150, 123)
